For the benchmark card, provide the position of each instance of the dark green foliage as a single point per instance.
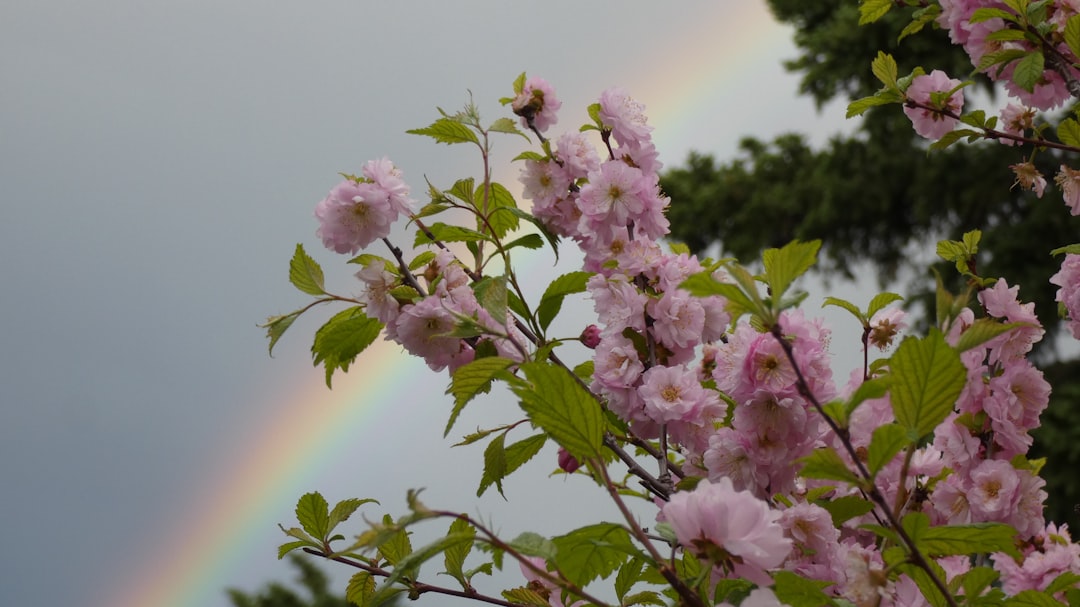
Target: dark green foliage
(313, 581)
(879, 196)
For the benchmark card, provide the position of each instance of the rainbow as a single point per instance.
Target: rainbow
(232, 514)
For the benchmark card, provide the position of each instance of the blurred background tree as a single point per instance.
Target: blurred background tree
(878, 196)
(313, 581)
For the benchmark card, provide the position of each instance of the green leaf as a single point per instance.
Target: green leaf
(522, 451)
(525, 596)
(305, 273)
(456, 554)
(559, 405)
(361, 589)
(534, 544)
(553, 239)
(882, 97)
(445, 130)
(410, 564)
(872, 10)
(985, 14)
(845, 508)
(738, 303)
(442, 232)
(847, 305)
(314, 514)
(499, 201)
(1066, 580)
(872, 388)
(529, 155)
(463, 190)
(1072, 35)
(344, 509)
(1031, 598)
(491, 294)
(885, 443)
(879, 302)
(289, 547)
(471, 379)
(1029, 70)
(784, 265)
(919, 20)
(1068, 131)
(927, 377)
(952, 137)
(825, 463)
(506, 125)
(342, 339)
(529, 241)
(1072, 248)
(277, 325)
(948, 540)
(494, 465)
(1002, 58)
(552, 300)
(797, 591)
(397, 545)
(978, 579)
(629, 574)
(982, 331)
(593, 551)
(645, 597)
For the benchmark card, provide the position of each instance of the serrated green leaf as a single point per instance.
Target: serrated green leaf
(494, 465)
(289, 547)
(409, 565)
(784, 265)
(397, 544)
(463, 190)
(300, 534)
(552, 300)
(952, 137)
(847, 305)
(534, 544)
(277, 325)
(999, 58)
(872, 10)
(879, 302)
(1067, 579)
(884, 66)
(797, 591)
(523, 451)
(645, 597)
(847, 507)
(978, 579)
(919, 20)
(1006, 35)
(529, 155)
(506, 125)
(1072, 35)
(560, 406)
(525, 596)
(361, 589)
(825, 463)
(314, 514)
(471, 379)
(442, 232)
(430, 209)
(343, 337)
(927, 377)
(629, 574)
(499, 201)
(948, 540)
(982, 331)
(593, 551)
(305, 273)
(985, 14)
(1031, 598)
(885, 443)
(344, 509)
(455, 555)
(1029, 70)
(1068, 132)
(491, 295)
(738, 303)
(448, 131)
(882, 97)
(1072, 248)
(529, 241)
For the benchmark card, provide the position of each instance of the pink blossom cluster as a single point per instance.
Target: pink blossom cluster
(1049, 554)
(930, 123)
(359, 211)
(1050, 90)
(1068, 278)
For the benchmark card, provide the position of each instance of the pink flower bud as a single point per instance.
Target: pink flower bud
(568, 462)
(591, 337)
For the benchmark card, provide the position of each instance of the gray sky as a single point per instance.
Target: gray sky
(158, 163)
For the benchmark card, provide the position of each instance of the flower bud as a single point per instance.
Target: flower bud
(568, 462)
(591, 337)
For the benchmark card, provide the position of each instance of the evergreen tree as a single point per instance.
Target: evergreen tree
(879, 196)
(312, 580)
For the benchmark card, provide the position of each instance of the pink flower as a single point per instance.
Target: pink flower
(625, 117)
(993, 493)
(739, 533)
(1015, 119)
(353, 216)
(1029, 178)
(537, 103)
(388, 177)
(613, 194)
(671, 394)
(885, 325)
(929, 123)
(1069, 181)
(1068, 278)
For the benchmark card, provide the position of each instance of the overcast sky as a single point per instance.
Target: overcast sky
(158, 163)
